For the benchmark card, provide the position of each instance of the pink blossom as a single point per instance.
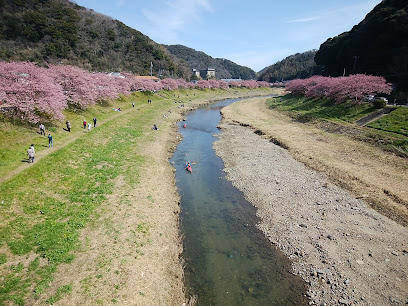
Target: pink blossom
(340, 89)
(31, 92)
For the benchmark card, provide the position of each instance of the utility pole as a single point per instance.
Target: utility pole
(355, 63)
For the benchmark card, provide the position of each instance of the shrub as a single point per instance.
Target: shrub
(379, 103)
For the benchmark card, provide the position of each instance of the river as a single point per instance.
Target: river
(228, 261)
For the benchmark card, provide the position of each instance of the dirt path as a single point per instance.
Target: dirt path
(67, 140)
(347, 252)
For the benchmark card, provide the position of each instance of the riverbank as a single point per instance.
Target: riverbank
(347, 251)
(95, 219)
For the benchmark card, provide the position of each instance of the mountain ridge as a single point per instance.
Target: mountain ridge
(225, 69)
(63, 32)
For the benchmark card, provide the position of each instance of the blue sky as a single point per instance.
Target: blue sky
(252, 33)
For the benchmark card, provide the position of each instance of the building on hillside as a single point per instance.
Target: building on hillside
(204, 74)
(196, 73)
(208, 73)
(147, 77)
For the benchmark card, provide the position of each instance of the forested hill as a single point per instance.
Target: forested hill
(378, 45)
(59, 31)
(225, 69)
(297, 66)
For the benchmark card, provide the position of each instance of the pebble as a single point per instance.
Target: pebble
(343, 302)
(332, 287)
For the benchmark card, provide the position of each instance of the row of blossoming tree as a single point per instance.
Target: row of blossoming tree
(34, 93)
(340, 89)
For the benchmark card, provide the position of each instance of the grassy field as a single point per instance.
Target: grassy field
(45, 205)
(396, 122)
(389, 132)
(303, 107)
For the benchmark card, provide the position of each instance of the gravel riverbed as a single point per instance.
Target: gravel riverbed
(348, 253)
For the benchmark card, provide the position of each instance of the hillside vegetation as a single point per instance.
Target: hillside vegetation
(297, 66)
(377, 45)
(60, 31)
(55, 31)
(225, 69)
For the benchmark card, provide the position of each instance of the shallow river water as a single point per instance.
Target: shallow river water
(228, 261)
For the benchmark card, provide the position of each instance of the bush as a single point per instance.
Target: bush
(379, 103)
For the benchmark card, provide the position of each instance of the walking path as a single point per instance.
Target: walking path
(376, 115)
(73, 135)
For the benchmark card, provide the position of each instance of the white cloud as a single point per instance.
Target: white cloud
(307, 19)
(354, 12)
(331, 22)
(173, 17)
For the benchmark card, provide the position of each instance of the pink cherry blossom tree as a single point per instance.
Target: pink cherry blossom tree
(78, 85)
(30, 91)
(169, 84)
(202, 84)
(340, 89)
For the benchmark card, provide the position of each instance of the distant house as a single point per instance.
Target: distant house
(196, 73)
(147, 77)
(206, 74)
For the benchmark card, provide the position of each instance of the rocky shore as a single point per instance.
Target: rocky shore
(348, 253)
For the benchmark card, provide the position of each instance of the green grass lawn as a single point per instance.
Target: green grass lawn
(43, 208)
(321, 108)
(389, 132)
(396, 121)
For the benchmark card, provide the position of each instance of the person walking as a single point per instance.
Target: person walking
(50, 141)
(68, 126)
(42, 129)
(89, 126)
(31, 153)
(94, 121)
(133, 104)
(84, 124)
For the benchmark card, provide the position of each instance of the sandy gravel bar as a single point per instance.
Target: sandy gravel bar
(346, 251)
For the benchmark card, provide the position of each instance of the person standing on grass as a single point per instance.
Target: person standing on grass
(50, 142)
(89, 126)
(133, 104)
(84, 124)
(42, 129)
(31, 153)
(69, 126)
(94, 121)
